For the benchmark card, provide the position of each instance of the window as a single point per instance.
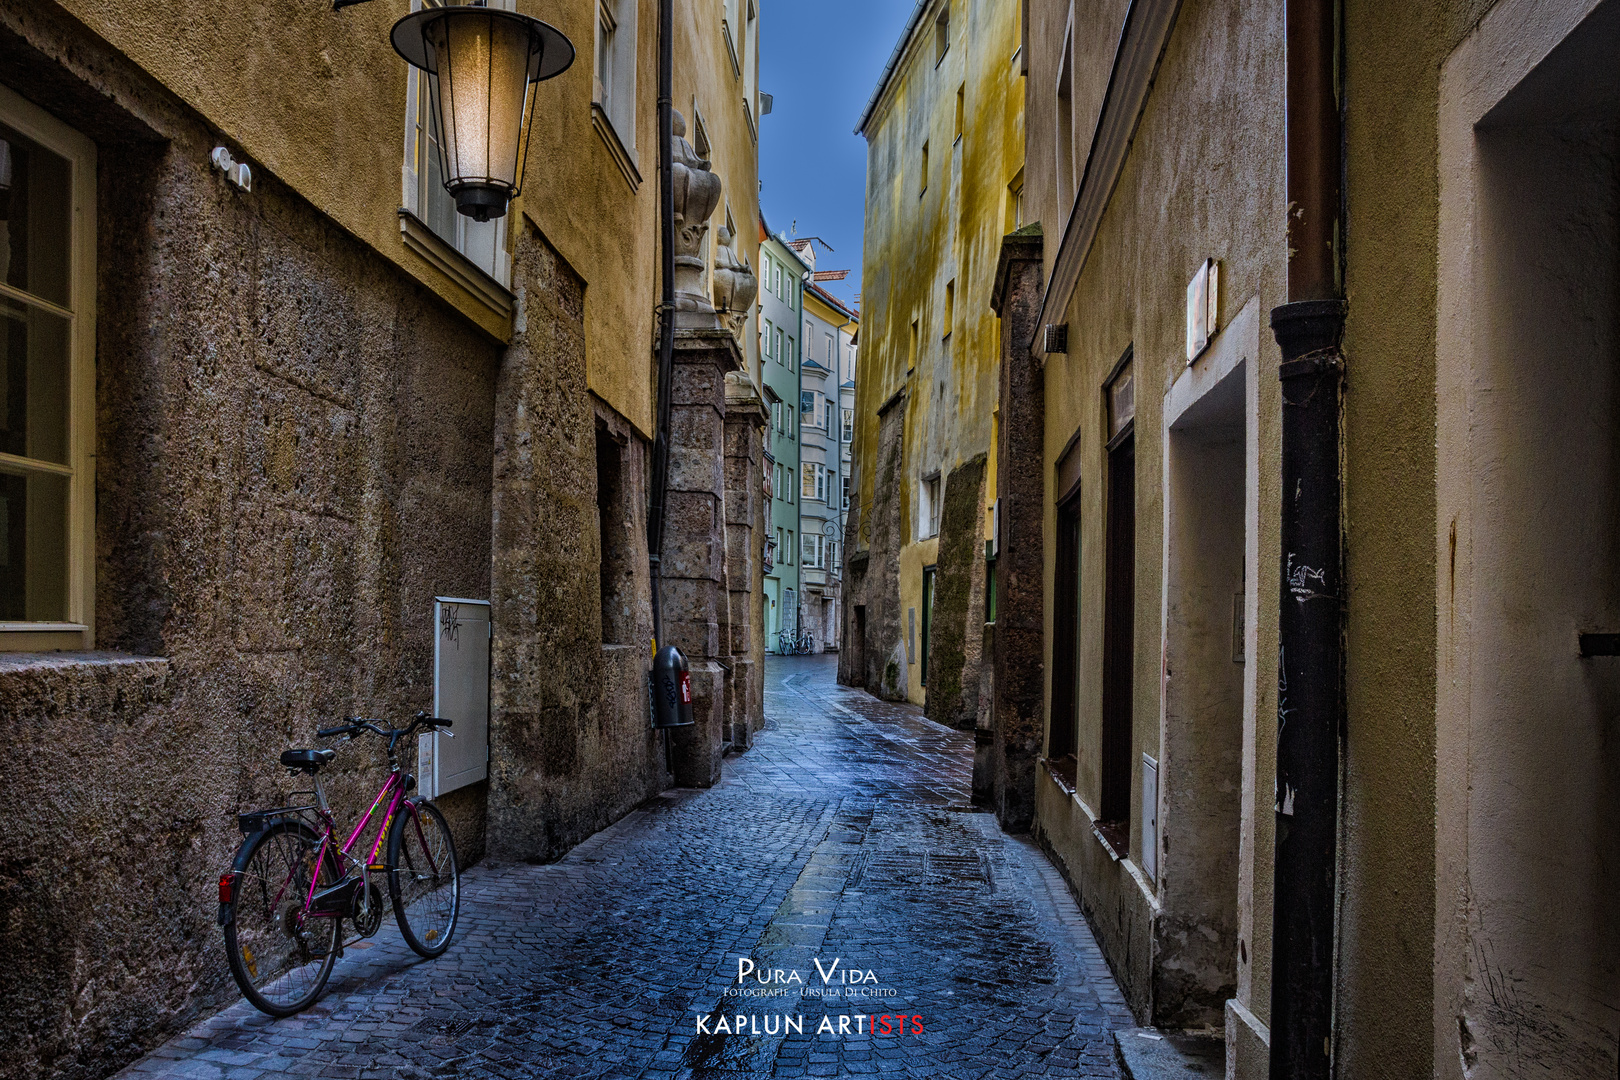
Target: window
(807, 403)
(942, 34)
(827, 417)
(927, 616)
(950, 307)
(849, 424)
(787, 549)
(790, 354)
(615, 85)
(430, 225)
(1119, 607)
(923, 187)
(1015, 204)
(47, 380)
(961, 105)
(845, 482)
(831, 354)
(813, 481)
(928, 507)
(814, 551)
(776, 277)
(832, 555)
(779, 353)
(1064, 142)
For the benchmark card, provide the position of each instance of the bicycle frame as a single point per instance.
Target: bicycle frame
(393, 791)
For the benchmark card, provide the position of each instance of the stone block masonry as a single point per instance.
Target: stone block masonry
(297, 448)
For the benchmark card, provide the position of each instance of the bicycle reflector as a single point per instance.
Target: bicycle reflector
(227, 886)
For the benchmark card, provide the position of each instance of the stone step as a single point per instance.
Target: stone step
(1147, 1054)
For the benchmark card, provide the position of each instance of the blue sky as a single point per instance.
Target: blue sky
(821, 60)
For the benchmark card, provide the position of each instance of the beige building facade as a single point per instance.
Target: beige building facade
(275, 414)
(944, 182)
(1475, 257)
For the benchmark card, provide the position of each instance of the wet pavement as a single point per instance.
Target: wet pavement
(835, 907)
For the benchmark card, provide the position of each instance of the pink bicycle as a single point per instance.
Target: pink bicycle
(290, 888)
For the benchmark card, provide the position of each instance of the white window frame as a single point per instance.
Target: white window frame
(928, 494)
(77, 631)
(613, 98)
(849, 425)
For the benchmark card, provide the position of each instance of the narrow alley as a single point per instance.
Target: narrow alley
(844, 837)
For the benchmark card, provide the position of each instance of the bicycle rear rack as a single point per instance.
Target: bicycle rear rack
(259, 820)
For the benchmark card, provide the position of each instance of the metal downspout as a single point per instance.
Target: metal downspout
(1310, 659)
(666, 310)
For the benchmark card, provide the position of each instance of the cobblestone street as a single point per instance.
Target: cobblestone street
(845, 834)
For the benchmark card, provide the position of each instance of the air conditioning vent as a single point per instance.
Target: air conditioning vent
(1056, 338)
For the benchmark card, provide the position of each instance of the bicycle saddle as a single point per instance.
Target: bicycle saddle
(307, 760)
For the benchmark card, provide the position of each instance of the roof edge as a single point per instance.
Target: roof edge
(893, 64)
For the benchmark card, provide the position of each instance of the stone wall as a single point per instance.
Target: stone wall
(956, 627)
(298, 448)
(292, 461)
(571, 749)
(873, 571)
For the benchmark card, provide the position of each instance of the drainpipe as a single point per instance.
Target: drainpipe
(1310, 660)
(666, 310)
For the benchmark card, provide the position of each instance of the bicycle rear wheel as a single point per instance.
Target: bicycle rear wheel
(423, 878)
(280, 959)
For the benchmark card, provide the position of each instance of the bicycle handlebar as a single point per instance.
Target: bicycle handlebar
(358, 724)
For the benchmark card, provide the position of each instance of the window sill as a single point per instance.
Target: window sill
(43, 637)
(623, 156)
(456, 266)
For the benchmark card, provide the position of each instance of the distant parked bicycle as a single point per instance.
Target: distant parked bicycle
(790, 644)
(284, 899)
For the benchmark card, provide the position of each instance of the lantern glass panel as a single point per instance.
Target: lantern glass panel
(480, 89)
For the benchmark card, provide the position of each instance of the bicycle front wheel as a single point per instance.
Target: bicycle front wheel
(423, 878)
(280, 957)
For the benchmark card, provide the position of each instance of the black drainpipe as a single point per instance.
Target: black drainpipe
(666, 310)
(1310, 660)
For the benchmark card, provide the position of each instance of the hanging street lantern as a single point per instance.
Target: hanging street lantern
(482, 64)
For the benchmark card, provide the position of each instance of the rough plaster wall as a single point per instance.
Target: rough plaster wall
(1095, 37)
(1387, 861)
(1187, 192)
(318, 98)
(919, 240)
(571, 749)
(956, 627)
(292, 461)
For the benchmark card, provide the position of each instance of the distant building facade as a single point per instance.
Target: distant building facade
(828, 328)
(781, 289)
(944, 167)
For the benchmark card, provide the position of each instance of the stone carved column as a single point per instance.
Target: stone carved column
(746, 417)
(1019, 703)
(696, 602)
(707, 542)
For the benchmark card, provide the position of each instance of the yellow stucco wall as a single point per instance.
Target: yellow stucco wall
(318, 98)
(920, 240)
